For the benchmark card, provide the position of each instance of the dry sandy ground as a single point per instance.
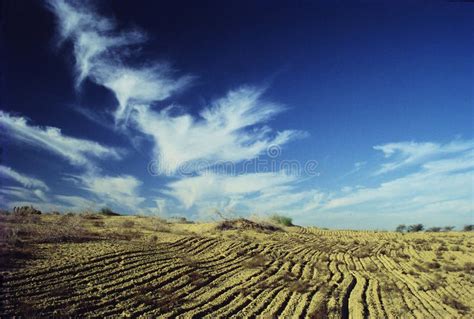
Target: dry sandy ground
(98, 266)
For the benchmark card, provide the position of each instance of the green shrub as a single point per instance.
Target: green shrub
(448, 228)
(108, 212)
(415, 228)
(128, 223)
(401, 228)
(282, 220)
(468, 228)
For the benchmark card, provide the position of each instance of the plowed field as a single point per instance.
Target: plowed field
(199, 272)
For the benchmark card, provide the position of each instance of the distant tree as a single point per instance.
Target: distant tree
(401, 228)
(415, 228)
(448, 228)
(434, 229)
(468, 228)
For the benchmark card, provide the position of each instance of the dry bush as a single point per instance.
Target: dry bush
(454, 303)
(181, 220)
(300, 286)
(98, 223)
(282, 220)
(469, 267)
(433, 265)
(321, 312)
(128, 224)
(257, 261)
(245, 224)
(372, 267)
(160, 225)
(108, 212)
(127, 234)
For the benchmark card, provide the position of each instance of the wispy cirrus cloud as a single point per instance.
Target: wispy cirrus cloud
(440, 184)
(231, 129)
(99, 51)
(227, 130)
(411, 153)
(22, 193)
(77, 151)
(122, 190)
(26, 181)
(214, 187)
(439, 187)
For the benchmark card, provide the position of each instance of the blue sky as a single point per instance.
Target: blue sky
(137, 107)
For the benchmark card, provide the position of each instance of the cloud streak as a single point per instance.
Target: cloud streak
(99, 51)
(208, 187)
(411, 153)
(76, 151)
(24, 180)
(122, 190)
(229, 130)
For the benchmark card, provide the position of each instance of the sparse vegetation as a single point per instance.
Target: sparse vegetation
(468, 228)
(148, 266)
(128, 224)
(282, 220)
(415, 228)
(401, 228)
(245, 224)
(108, 212)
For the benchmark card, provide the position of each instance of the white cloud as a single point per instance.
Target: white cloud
(76, 151)
(79, 203)
(122, 190)
(227, 131)
(437, 191)
(412, 153)
(22, 193)
(99, 50)
(214, 187)
(26, 181)
(437, 187)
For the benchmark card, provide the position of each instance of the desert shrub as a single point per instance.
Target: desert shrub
(181, 220)
(282, 220)
(372, 268)
(419, 268)
(98, 223)
(415, 228)
(401, 228)
(257, 261)
(127, 234)
(468, 228)
(128, 224)
(433, 265)
(454, 303)
(245, 224)
(89, 215)
(450, 268)
(25, 210)
(448, 228)
(108, 212)
(300, 286)
(434, 229)
(469, 267)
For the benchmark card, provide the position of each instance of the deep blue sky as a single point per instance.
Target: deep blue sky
(352, 76)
